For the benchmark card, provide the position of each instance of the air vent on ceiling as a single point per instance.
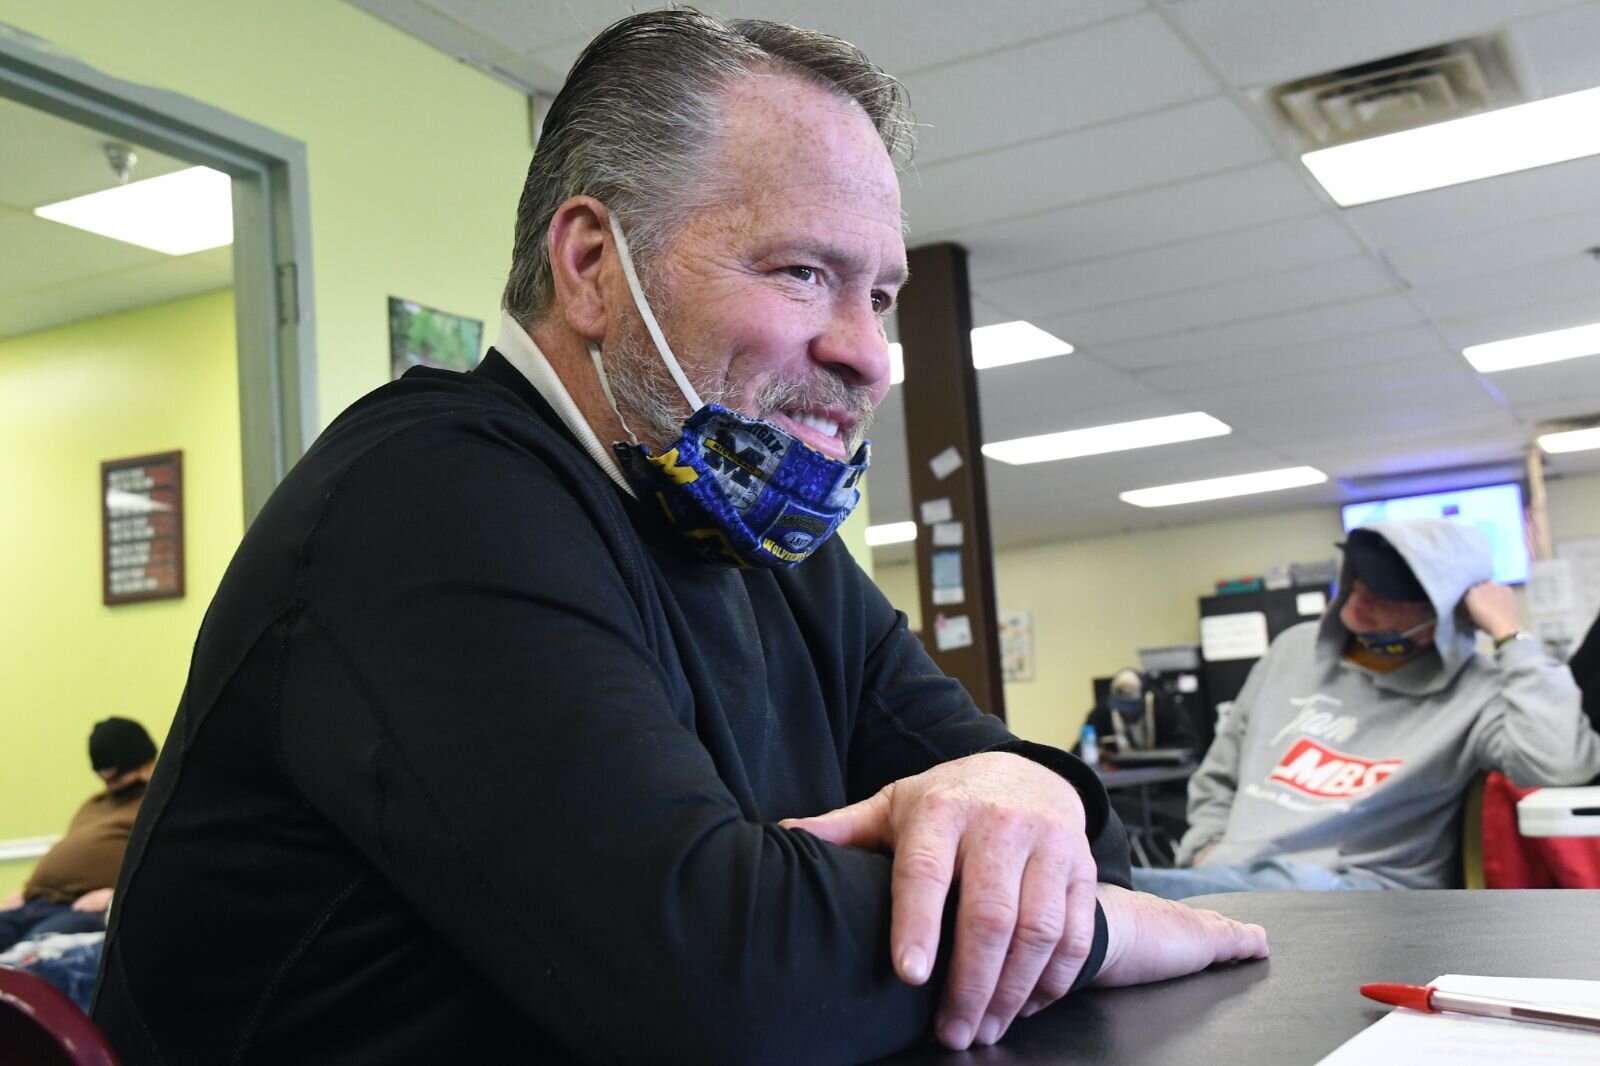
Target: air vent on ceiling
(1399, 92)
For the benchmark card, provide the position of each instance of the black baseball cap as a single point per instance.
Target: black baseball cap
(1381, 568)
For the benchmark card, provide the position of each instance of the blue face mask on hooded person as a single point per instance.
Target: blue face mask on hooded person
(1392, 643)
(742, 491)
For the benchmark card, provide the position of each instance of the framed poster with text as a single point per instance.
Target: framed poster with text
(141, 526)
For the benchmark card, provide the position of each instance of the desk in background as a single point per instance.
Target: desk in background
(1302, 1003)
(1144, 840)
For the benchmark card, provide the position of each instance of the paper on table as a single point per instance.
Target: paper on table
(1449, 1039)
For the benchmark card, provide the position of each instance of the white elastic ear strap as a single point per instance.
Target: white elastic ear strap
(650, 323)
(605, 388)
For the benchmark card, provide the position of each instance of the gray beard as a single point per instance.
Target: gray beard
(654, 410)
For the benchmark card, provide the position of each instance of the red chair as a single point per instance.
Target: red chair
(40, 1026)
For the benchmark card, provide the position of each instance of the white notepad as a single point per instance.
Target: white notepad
(1416, 1038)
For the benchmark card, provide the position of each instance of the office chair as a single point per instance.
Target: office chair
(40, 1026)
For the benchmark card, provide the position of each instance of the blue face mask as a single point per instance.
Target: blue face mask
(742, 491)
(1392, 643)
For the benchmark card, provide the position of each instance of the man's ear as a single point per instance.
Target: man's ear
(578, 236)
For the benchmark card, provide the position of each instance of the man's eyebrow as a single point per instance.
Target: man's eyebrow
(838, 258)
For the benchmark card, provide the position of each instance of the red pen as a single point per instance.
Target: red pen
(1431, 999)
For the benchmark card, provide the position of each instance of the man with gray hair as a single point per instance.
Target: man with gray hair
(538, 716)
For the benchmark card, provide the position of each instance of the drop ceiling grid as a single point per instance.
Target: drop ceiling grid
(1161, 226)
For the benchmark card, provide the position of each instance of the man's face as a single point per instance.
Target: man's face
(774, 299)
(1364, 612)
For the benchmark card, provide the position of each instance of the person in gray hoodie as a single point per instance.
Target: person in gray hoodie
(1343, 762)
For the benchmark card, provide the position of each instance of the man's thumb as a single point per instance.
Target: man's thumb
(859, 825)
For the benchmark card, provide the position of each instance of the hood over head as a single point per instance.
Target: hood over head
(1447, 558)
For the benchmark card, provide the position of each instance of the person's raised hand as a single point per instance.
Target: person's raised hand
(1151, 939)
(1012, 831)
(1493, 608)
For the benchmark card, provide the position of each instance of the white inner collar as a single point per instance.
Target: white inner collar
(520, 351)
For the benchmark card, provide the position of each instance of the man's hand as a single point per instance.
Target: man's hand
(94, 902)
(12, 902)
(1493, 608)
(1012, 831)
(1152, 939)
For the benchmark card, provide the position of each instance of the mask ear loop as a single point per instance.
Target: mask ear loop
(605, 388)
(643, 305)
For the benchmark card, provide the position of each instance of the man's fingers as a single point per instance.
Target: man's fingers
(1074, 947)
(986, 919)
(860, 825)
(1040, 928)
(924, 864)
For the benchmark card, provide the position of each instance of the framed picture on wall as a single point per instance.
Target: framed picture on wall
(426, 336)
(141, 527)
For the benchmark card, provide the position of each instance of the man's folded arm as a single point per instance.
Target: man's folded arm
(477, 713)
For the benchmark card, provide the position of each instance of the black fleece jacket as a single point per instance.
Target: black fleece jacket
(476, 763)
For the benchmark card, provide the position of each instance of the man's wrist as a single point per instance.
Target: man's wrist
(1515, 634)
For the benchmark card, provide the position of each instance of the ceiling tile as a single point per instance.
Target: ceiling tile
(1512, 249)
(1491, 204)
(1571, 279)
(1199, 264)
(1155, 149)
(1264, 42)
(1110, 71)
(1307, 356)
(1520, 320)
(1350, 319)
(92, 296)
(1214, 204)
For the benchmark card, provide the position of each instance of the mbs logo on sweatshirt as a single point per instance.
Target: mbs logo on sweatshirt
(1319, 771)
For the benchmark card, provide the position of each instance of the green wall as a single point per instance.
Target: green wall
(415, 165)
(416, 161)
(152, 380)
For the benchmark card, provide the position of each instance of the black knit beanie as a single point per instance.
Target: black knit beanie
(120, 744)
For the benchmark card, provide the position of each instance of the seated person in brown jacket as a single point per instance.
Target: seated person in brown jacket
(70, 889)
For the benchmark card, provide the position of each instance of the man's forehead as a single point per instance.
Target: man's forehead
(780, 126)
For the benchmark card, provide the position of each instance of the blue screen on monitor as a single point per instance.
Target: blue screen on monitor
(1495, 509)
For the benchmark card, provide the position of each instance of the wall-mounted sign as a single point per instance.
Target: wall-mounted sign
(141, 507)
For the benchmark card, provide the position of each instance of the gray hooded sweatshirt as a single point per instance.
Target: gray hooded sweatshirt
(1327, 763)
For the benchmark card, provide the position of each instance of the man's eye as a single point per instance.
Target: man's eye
(803, 273)
(882, 302)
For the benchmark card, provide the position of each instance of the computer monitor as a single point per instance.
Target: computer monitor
(1495, 509)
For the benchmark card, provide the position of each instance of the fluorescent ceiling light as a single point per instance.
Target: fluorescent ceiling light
(1014, 342)
(1546, 131)
(891, 533)
(178, 213)
(1570, 440)
(1008, 342)
(1534, 349)
(1096, 440)
(1218, 488)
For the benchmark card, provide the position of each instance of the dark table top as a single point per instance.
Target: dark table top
(1113, 777)
(1302, 1003)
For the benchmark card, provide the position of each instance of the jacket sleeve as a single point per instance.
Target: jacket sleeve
(1212, 787)
(912, 717)
(1534, 731)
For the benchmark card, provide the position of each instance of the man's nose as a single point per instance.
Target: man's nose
(854, 345)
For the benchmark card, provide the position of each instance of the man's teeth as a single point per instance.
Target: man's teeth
(821, 425)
